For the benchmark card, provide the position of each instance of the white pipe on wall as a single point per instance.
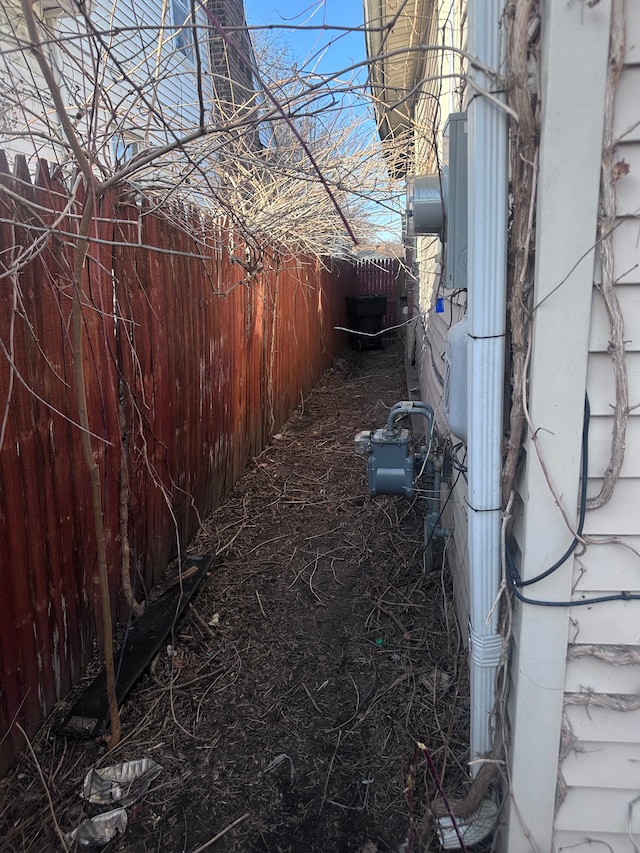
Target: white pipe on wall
(487, 266)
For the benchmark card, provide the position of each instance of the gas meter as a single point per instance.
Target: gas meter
(392, 467)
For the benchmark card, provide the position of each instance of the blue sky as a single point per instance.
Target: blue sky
(327, 52)
(324, 51)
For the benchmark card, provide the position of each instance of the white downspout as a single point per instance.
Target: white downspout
(486, 310)
(487, 270)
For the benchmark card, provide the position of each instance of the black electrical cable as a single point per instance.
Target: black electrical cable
(456, 464)
(583, 501)
(513, 575)
(513, 578)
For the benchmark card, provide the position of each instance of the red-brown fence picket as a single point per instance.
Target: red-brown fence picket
(190, 367)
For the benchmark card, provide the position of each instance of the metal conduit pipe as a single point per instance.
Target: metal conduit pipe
(411, 407)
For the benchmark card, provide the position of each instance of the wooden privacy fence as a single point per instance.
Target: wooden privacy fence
(381, 276)
(190, 366)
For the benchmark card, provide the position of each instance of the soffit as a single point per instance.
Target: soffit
(397, 70)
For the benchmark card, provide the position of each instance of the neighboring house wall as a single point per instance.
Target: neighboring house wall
(441, 94)
(232, 70)
(24, 96)
(154, 52)
(128, 77)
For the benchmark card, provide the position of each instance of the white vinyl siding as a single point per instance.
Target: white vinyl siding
(573, 69)
(455, 515)
(140, 82)
(621, 564)
(156, 59)
(600, 447)
(596, 811)
(602, 767)
(20, 80)
(597, 676)
(569, 842)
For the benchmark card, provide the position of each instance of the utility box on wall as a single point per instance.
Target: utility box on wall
(455, 379)
(424, 213)
(454, 173)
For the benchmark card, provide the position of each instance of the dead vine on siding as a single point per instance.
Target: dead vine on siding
(606, 227)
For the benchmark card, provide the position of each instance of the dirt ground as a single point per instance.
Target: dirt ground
(315, 656)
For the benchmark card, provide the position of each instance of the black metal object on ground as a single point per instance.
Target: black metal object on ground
(364, 315)
(89, 717)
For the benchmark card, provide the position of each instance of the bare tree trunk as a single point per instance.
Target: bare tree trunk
(92, 467)
(125, 547)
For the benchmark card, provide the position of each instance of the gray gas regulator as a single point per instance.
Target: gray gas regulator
(392, 467)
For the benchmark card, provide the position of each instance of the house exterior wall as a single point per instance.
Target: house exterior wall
(442, 93)
(576, 672)
(431, 339)
(601, 717)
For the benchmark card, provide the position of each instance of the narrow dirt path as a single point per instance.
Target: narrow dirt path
(315, 656)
